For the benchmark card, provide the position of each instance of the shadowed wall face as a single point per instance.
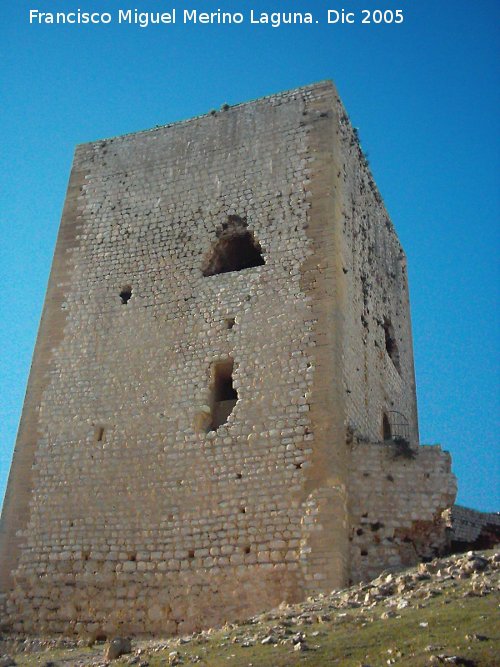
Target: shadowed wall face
(213, 350)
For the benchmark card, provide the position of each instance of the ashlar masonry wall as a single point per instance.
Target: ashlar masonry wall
(194, 438)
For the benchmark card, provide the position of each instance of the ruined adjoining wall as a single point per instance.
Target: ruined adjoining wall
(396, 506)
(470, 529)
(188, 451)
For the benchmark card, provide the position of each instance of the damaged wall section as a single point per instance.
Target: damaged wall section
(396, 507)
(471, 529)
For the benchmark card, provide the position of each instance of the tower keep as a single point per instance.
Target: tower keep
(221, 409)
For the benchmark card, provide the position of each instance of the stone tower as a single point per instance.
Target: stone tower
(221, 410)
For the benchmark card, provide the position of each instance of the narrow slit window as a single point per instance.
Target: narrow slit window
(386, 428)
(391, 345)
(224, 395)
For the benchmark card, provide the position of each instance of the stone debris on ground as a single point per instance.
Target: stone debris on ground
(287, 625)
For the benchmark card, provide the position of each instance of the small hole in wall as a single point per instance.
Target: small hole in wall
(99, 434)
(191, 553)
(247, 549)
(298, 466)
(390, 478)
(366, 474)
(125, 294)
(86, 555)
(376, 526)
(132, 557)
(239, 475)
(230, 321)
(364, 552)
(243, 510)
(359, 531)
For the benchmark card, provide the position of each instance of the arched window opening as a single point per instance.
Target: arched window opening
(386, 428)
(395, 426)
(224, 395)
(391, 345)
(236, 249)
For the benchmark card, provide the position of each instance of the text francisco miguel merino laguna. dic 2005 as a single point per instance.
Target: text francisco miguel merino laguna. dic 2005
(195, 17)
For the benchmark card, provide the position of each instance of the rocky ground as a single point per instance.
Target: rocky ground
(441, 613)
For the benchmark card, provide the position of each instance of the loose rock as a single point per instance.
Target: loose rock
(117, 647)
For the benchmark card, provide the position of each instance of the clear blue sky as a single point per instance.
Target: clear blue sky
(424, 96)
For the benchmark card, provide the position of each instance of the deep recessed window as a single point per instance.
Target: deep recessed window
(391, 345)
(224, 395)
(236, 249)
(125, 294)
